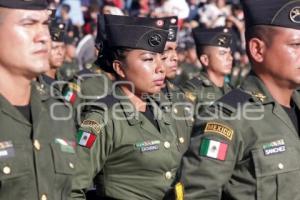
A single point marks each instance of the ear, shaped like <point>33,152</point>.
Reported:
<point>257,49</point>
<point>118,68</point>
<point>204,60</point>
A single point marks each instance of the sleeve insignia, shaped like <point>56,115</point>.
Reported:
<point>219,129</point>
<point>95,126</point>
<point>190,96</point>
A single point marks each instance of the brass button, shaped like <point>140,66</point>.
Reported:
<point>37,145</point>
<point>167,144</point>
<point>6,170</point>
<point>187,108</point>
<point>44,197</point>
<point>181,140</point>
<point>168,175</point>
<point>280,166</point>
<point>71,165</point>
<point>192,119</point>
<point>175,110</point>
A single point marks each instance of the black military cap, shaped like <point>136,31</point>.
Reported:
<point>283,13</point>
<point>134,32</point>
<point>173,27</point>
<point>220,37</point>
<point>24,4</point>
<point>57,31</point>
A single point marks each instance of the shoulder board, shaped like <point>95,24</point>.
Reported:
<point>48,80</point>
<point>196,82</point>
<point>109,100</point>
<point>234,98</point>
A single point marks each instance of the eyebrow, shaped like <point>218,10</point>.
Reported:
<point>151,53</point>
<point>34,19</point>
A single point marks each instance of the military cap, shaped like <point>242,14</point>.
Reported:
<point>57,31</point>
<point>283,13</point>
<point>24,4</point>
<point>173,27</point>
<point>220,37</point>
<point>134,32</point>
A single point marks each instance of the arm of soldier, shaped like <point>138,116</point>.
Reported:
<point>209,162</point>
<point>94,145</point>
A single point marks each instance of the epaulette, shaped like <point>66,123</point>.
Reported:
<point>196,82</point>
<point>108,100</point>
<point>48,80</point>
<point>234,98</point>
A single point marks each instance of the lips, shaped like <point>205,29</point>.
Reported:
<point>159,81</point>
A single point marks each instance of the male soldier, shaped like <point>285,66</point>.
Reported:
<point>58,50</point>
<point>36,152</point>
<point>247,146</point>
<point>180,107</point>
<point>213,50</point>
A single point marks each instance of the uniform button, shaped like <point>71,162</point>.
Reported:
<point>168,175</point>
<point>37,145</point>
<point>280,166</point>
<point>6,170</point>
<point>167,144</point>
<point>71,165</point>
<point>192,119</point>
<point>44,197</point>
<point>175,110</point>
<point>187,109</point>
<point>181,140</point>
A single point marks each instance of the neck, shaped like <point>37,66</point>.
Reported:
<point>135,99</point>
<point>16,89</point>
<point>281,92</point>
<point>51,73</point>
<point>217,79</point>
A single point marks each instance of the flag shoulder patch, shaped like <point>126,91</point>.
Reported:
<point>213,149</point>
<point>85,139</point>
<point>220,129</point>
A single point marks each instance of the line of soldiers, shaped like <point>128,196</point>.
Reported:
<point>123,130</point>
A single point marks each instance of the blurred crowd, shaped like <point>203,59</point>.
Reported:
<point>80,19</point>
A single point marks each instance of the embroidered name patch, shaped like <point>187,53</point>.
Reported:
<point>220,129</point>
<point>147,146</point>
<point>65,145</point>
<point>274,147</point>
<point>6,149</point>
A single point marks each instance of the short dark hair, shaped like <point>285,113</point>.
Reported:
<point>66,7</point>
<point>108,54</point>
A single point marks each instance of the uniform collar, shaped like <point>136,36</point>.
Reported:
<point>254,86</point>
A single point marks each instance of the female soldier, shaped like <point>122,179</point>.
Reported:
<point>127,144</point>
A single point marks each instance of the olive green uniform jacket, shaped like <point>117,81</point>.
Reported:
<point>248,149</point>
<point>37,159</point>
<point>130,158</point>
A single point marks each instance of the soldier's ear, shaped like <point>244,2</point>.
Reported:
<point>204,60</point>
<point>257,49</point>
<point>118,68</point>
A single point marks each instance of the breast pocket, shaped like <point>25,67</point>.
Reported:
<point>277,175</point>
<point>15,173</point>
<point>64,166</point>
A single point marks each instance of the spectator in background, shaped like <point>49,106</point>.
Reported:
<point>75,12</point>
<point>214,13</point>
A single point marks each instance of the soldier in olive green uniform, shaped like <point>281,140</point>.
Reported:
<point>249,148</point>
<point>37,147</point>
<point>130,147</point>
<point>213,50</point>
<point>181,108</point>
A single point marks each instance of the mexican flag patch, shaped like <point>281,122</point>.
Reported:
<point>213,149</point>
<point>70,96</point>
<point>85,139</point>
